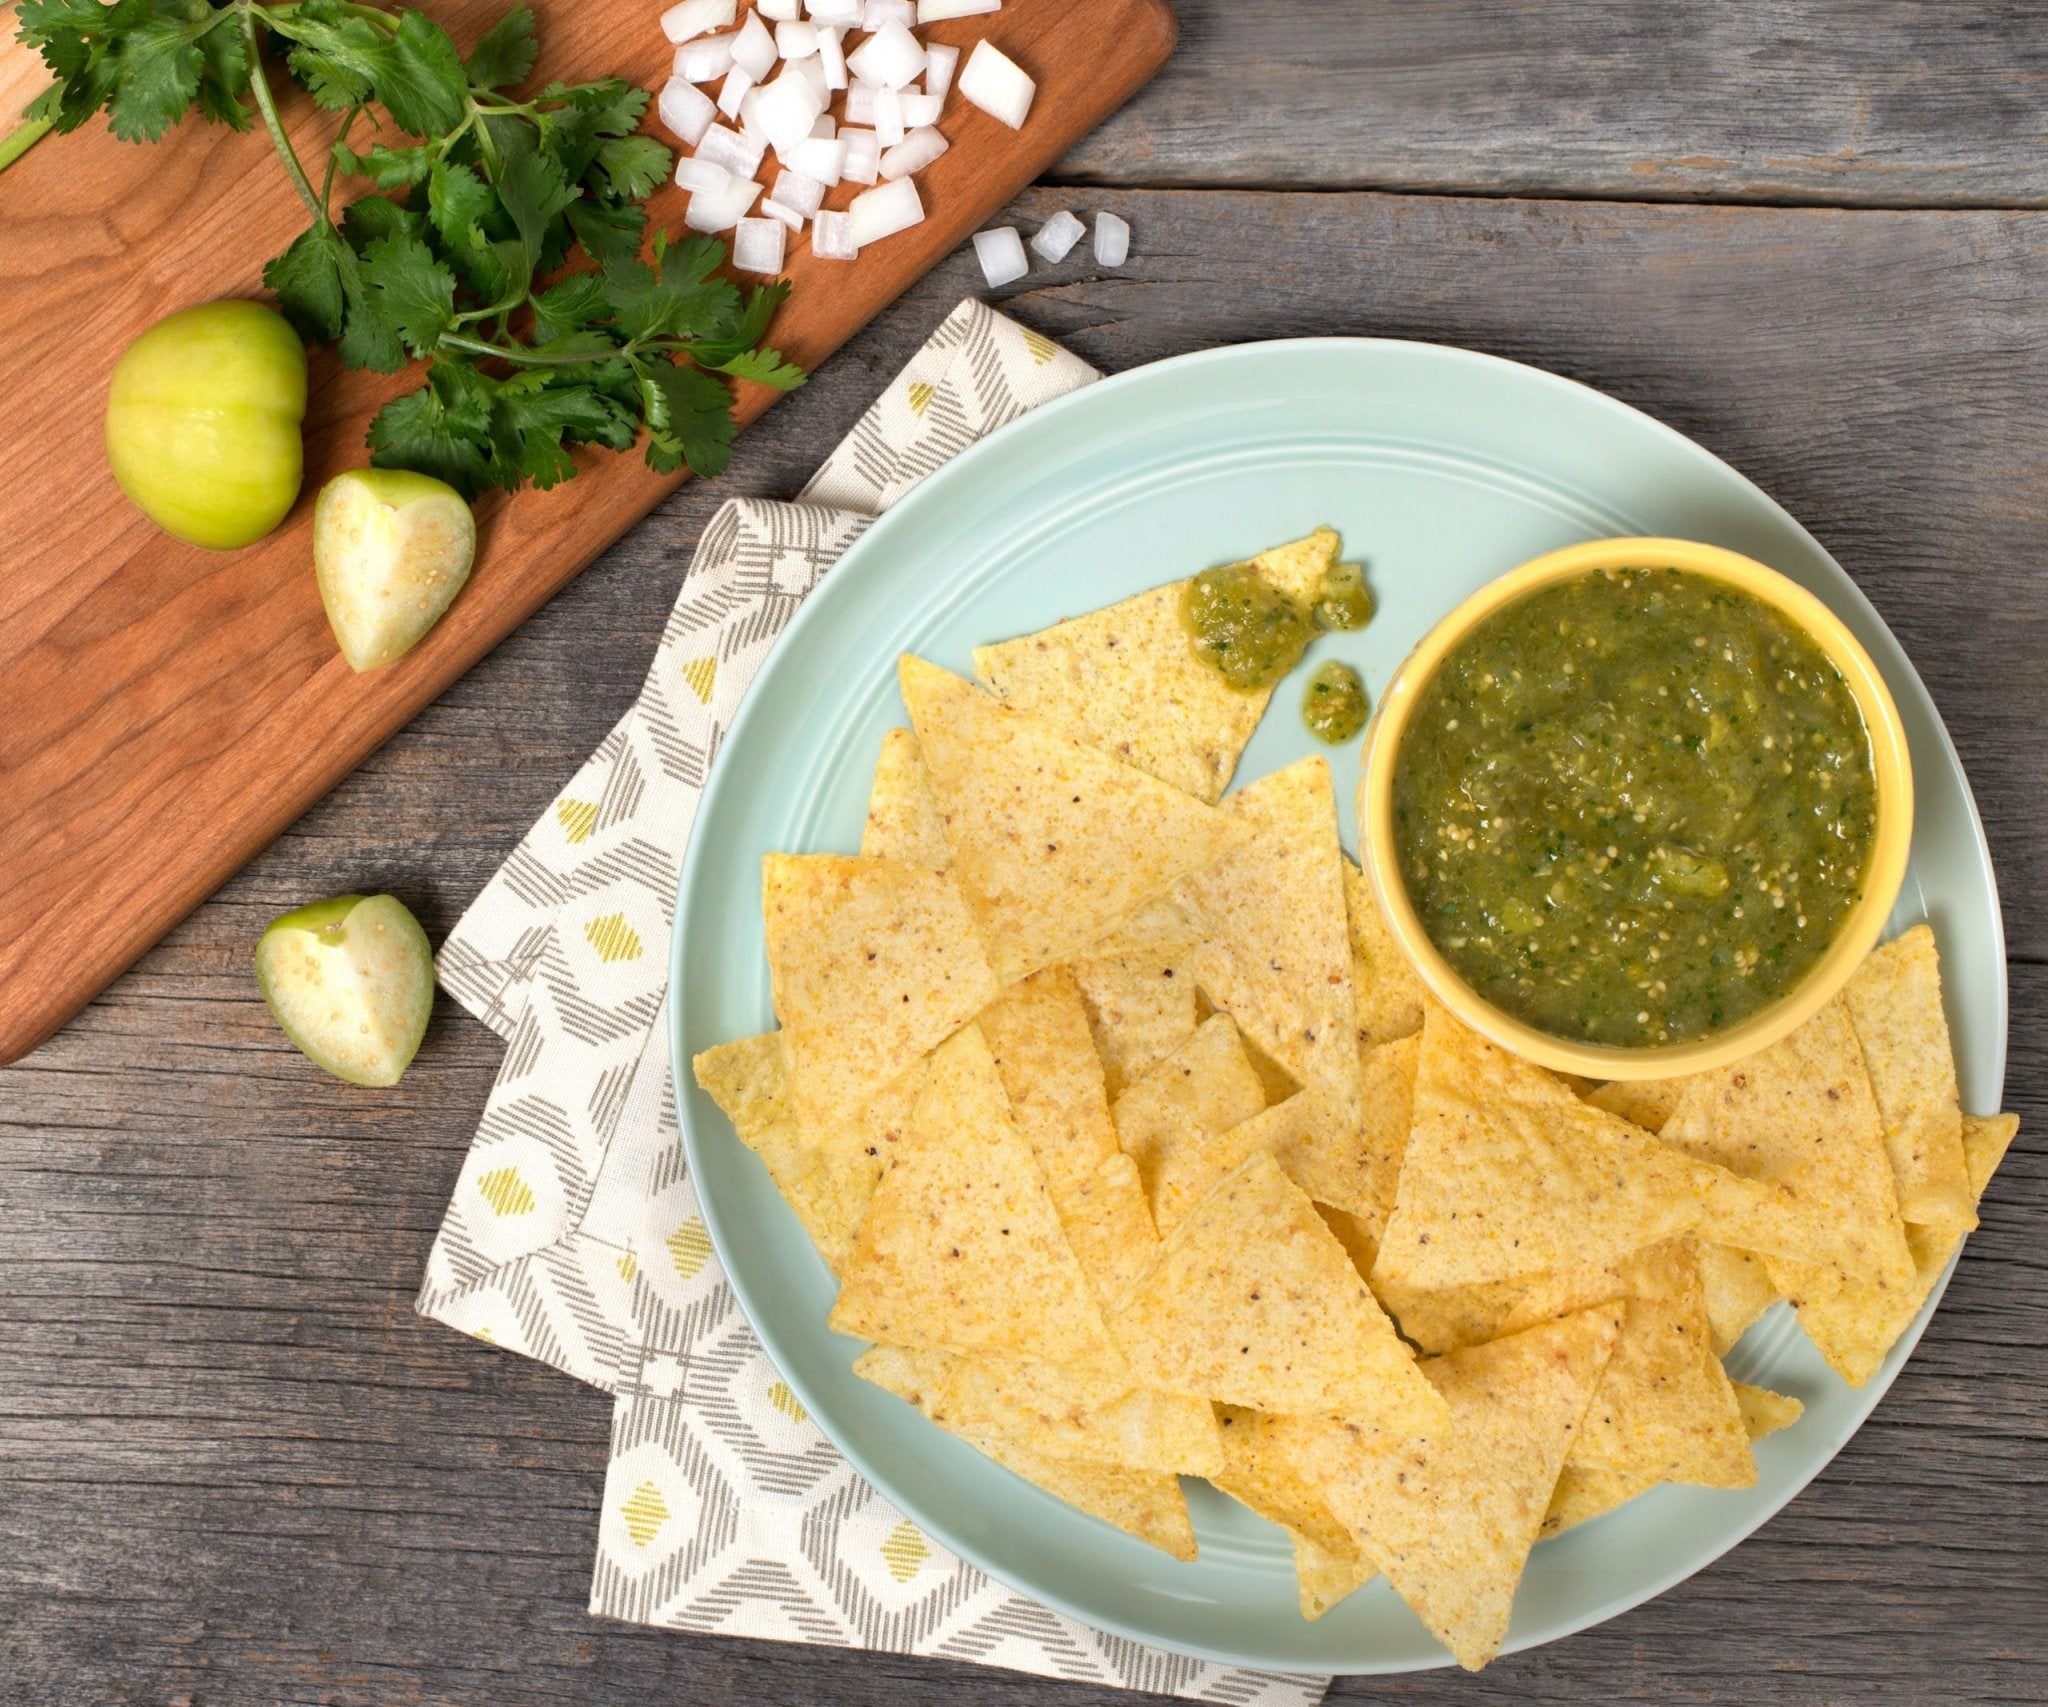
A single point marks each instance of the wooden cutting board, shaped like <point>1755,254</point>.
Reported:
<point>165,711</point>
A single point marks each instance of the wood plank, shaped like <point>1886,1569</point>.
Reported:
<point>238,1468</point>
<point>170,709</point>
<point>1871,102</point>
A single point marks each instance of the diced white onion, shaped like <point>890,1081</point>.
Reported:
<point>738,154</point>
<point>940,62</point>
<point>938,11</point>
<point>888,117</point>
<point>694,172</point>
<point>757,246</point>
<point>863,162</point>
<point>690,18</point>
<point>754,50</point>
<point>884,211</point>
<point>860,104</point>
<point>778,11</point>
<point>891,57</point>
<point>875,13</point>
<point>796,39</point>
<point>913,154</point>
<point>686,111</point>
<point>996,84</point>
<point>832,58</point>
<point>820,157</point>
<point>1056,236</point>
<point>1112,240</point>
<point>788,215</point>
<point>793,189</point>
<point>787,109</point>
<point>920,110</point>
<point>825,129</point>
<point>844,13</point>
<point>750,124</point>
<point>722,209</point>
<point>706,59</point>
<point>812,71</point>
<point>739,82</point>
<point>1001,254</point>
<point>832,237</point>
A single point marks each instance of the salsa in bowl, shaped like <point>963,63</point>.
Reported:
<point>1637,808</point>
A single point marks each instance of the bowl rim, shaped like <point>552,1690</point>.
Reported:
<point>1891,766</point>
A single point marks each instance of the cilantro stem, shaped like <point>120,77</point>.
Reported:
<point>267,105</point>
<point>21,139</point>
<point>348,123</point>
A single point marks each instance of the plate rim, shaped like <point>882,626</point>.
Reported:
<point>874,538</point>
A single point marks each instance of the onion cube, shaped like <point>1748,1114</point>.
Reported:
<point>1001,254</point>
<point>832,237</point>
<point>812,71</point>
<point>757,245</point>
<point>787,109</point>
<point>706,59</point>
<point>883,211</point>
<point>845,14</point>
<point>820,157</point>
<point>920,110</point>
<point>694,172</point>
<point>913,154</point>
<point>788,215</point>
<point>996,84</point>
<point>1112,240</point>
<point>754,50</point>
<point>794,190</point>
<point>686,110</point>
<point>778,11</point>
<point>863,162</point>
<point>860,104</point>
<point>738,84</point>
<point>888,117</point>
<point>940,62</point>
<point>938,11</point>
<point>1056,236</point>
<point>796,39</point>
<point>691,18</point>
<point>876,13</point>
<point>721,209</point>
<point>738,154</point>
<point>832,57</point>
<point>892,57</point>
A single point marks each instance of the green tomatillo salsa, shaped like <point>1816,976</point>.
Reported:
<point>1634,807</point>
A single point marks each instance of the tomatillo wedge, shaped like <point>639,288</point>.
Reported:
<point>391,550</point>
<point>351,980</point>
<point>203,421</point>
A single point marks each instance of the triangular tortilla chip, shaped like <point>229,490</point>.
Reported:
<point>873,963</point>
<point>1738,1289</point>
<point>1323,1578</point>
<point>1109,1225</point>
<point>1327,1563</point>
<point>1298,567</point>
<point>1038,1034</point>
<point>903,818</point>
<point>1053,842</point>
<point>1894,1002</point>
<point>1158,931</point>
<point>1279,956</point>
<point>961,1249</point>
<point>1384,987</point>
<point>1141,1008</point>
<point>1146,1504</point>
<point>1986,1138</point>
<point>1171,1121</point>
<point>1765,1412</point>
<point>1451,1517</point>
<point>1254,1302</point>
<point>1086,1416</point>
<point>1507,1173</point>
<point>825,1177</point>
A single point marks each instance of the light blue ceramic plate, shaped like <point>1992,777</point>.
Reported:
<point>1441,468</point>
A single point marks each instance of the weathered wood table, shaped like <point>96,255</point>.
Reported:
<point>236,1468</point>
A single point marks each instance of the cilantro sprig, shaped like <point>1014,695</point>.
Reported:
<point>502,242</point>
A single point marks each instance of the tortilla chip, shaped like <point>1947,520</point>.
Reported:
<point>873,962</point>
<point>1146,1504</point>
<point>1093,1415</point>
<point>1451,1517</point>
<point>1279,1084</point>
<point>1109,1225</point>
<point>1141,1008</point>
<point>1279,956</point>
<point>961,1249</point>
<point>1894,1002</point>
<point>1053,842</point>
<point>1172,1121</point>
<point>1360,1241</point>
<point>1254,1302</point>
<point>1647,1103</point>
<point>1738,1289</point>
<point>1509,1174</point>
<point>1298,567</point>
<point>903,818</point>
<point>1384,987</point>
<point>1159,930</point>
<point>1038,1033</point>
<point>1986,1138</point>
<point>1126,681</point>
<point>1765,1412</point>
<point>1324,1578</point>
<point>1327,1563</point>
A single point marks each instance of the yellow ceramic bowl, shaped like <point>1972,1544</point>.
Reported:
<point>1894,774</point>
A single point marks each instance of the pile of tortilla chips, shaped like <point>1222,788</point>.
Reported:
<point>1139,1153</point>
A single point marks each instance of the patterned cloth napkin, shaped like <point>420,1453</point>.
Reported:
<point>574,1234</point>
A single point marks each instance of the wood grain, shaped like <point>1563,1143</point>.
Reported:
<point>168,709</point>
<point>235,1468</point>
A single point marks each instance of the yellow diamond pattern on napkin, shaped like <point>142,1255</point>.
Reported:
<point>787,1402</point>
<point>701,674</point>
<point>904,1551</point>
<point>506,1192</point>
<point>613,938</point>
<point>689,1248</point>
<point>645,1511</point>
<point>578,818</point>
<point>1042,348</point>
<point>920,396</point>
<point>629,1265</point>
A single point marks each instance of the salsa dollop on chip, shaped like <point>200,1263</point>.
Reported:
<point>1634,807</point>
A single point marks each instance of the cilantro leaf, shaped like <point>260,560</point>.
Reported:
<point>421,431</point>
<point>570,306</point>
<point>635,166</point>
<point>387,168</point>
<point>506,54</point>
<point>689,419</point>
<point>420,78</point>
<point>307,280</point>
<point>414,291</point>
<point>533,189</point>
<point>610,234</point>
<point>763,367</point>
<point>159,66</point>
<point>530,425</point>
<point>225,79</point>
